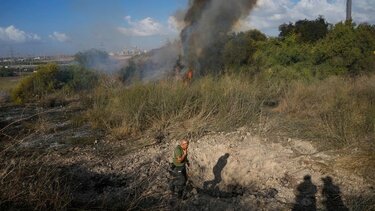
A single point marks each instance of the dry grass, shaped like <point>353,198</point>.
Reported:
<point>28,181</point>
<point>360,163</point>
<point>338,109</point>
<point>175,108</point>
<point>8,83</point>
<point>362,203</point>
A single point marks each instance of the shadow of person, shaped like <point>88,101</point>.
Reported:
<point>218,168</point>
<point>305,195</point>
<point>332,196</point>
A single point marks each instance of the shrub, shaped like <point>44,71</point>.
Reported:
<point>50,78</point>
<point>239,49</point>
<point>78,78</point>
<point>346,49</point>
<point>40,83</point>
<point>306,30</point>
<point>92,58</point>
<point>6,72</point>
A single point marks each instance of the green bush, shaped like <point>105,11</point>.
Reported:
<point>6,72</point>
<point>306,30</point>
<point>40,83</point>
<point>129,73</point>
<point>92,59</point>
<point>239,49</point>
<point>51,78</point>
<point>347,49</point>
<point>76,78</point>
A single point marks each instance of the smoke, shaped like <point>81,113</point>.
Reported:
<point>160,62</point>
<point>97,60</point>
<point>206,23</point>
<point>152,66</point>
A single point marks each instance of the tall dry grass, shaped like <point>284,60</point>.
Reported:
<point>338,109</point>
<point>338,113</point>
<point>176,108</point>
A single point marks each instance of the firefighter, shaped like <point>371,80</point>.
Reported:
<point>180,161</point>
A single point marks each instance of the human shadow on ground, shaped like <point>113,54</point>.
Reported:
<point>211,187</point>
<point>332,196</point>
<point>305,195</point>
<point>218,168</point>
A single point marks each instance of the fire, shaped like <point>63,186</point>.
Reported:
<point>188,76</point>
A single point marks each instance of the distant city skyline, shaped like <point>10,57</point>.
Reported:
<point>56,27</point>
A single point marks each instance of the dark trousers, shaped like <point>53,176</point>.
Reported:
<point>179,180</point>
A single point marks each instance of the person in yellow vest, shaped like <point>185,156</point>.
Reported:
<point>180,161</point>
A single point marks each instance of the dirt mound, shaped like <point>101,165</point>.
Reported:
<point>239,171</point>
<point>266,169</point>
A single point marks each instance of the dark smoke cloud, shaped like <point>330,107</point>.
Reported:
<point>206,21</point>
<point>205,26</point>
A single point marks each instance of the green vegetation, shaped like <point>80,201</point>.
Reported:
<point>305,50</point>
<point>92,59</point>
<point>49,79</point>
<point>306,30</point>
<point>130,73</point>
<point>6,72</point>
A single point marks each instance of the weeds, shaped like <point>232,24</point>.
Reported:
<point>206,104</point>
<point>337,109</point>
<point>27,181</point>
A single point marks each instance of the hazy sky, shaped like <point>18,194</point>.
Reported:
<point>45,27</point>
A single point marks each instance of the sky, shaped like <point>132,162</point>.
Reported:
<point>55,27</point>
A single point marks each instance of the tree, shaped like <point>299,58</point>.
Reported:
<point>240,48</point>
<point>306,30</point>
<point>286,29</point>
<point>92,59</point>
<point>347,49</point>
